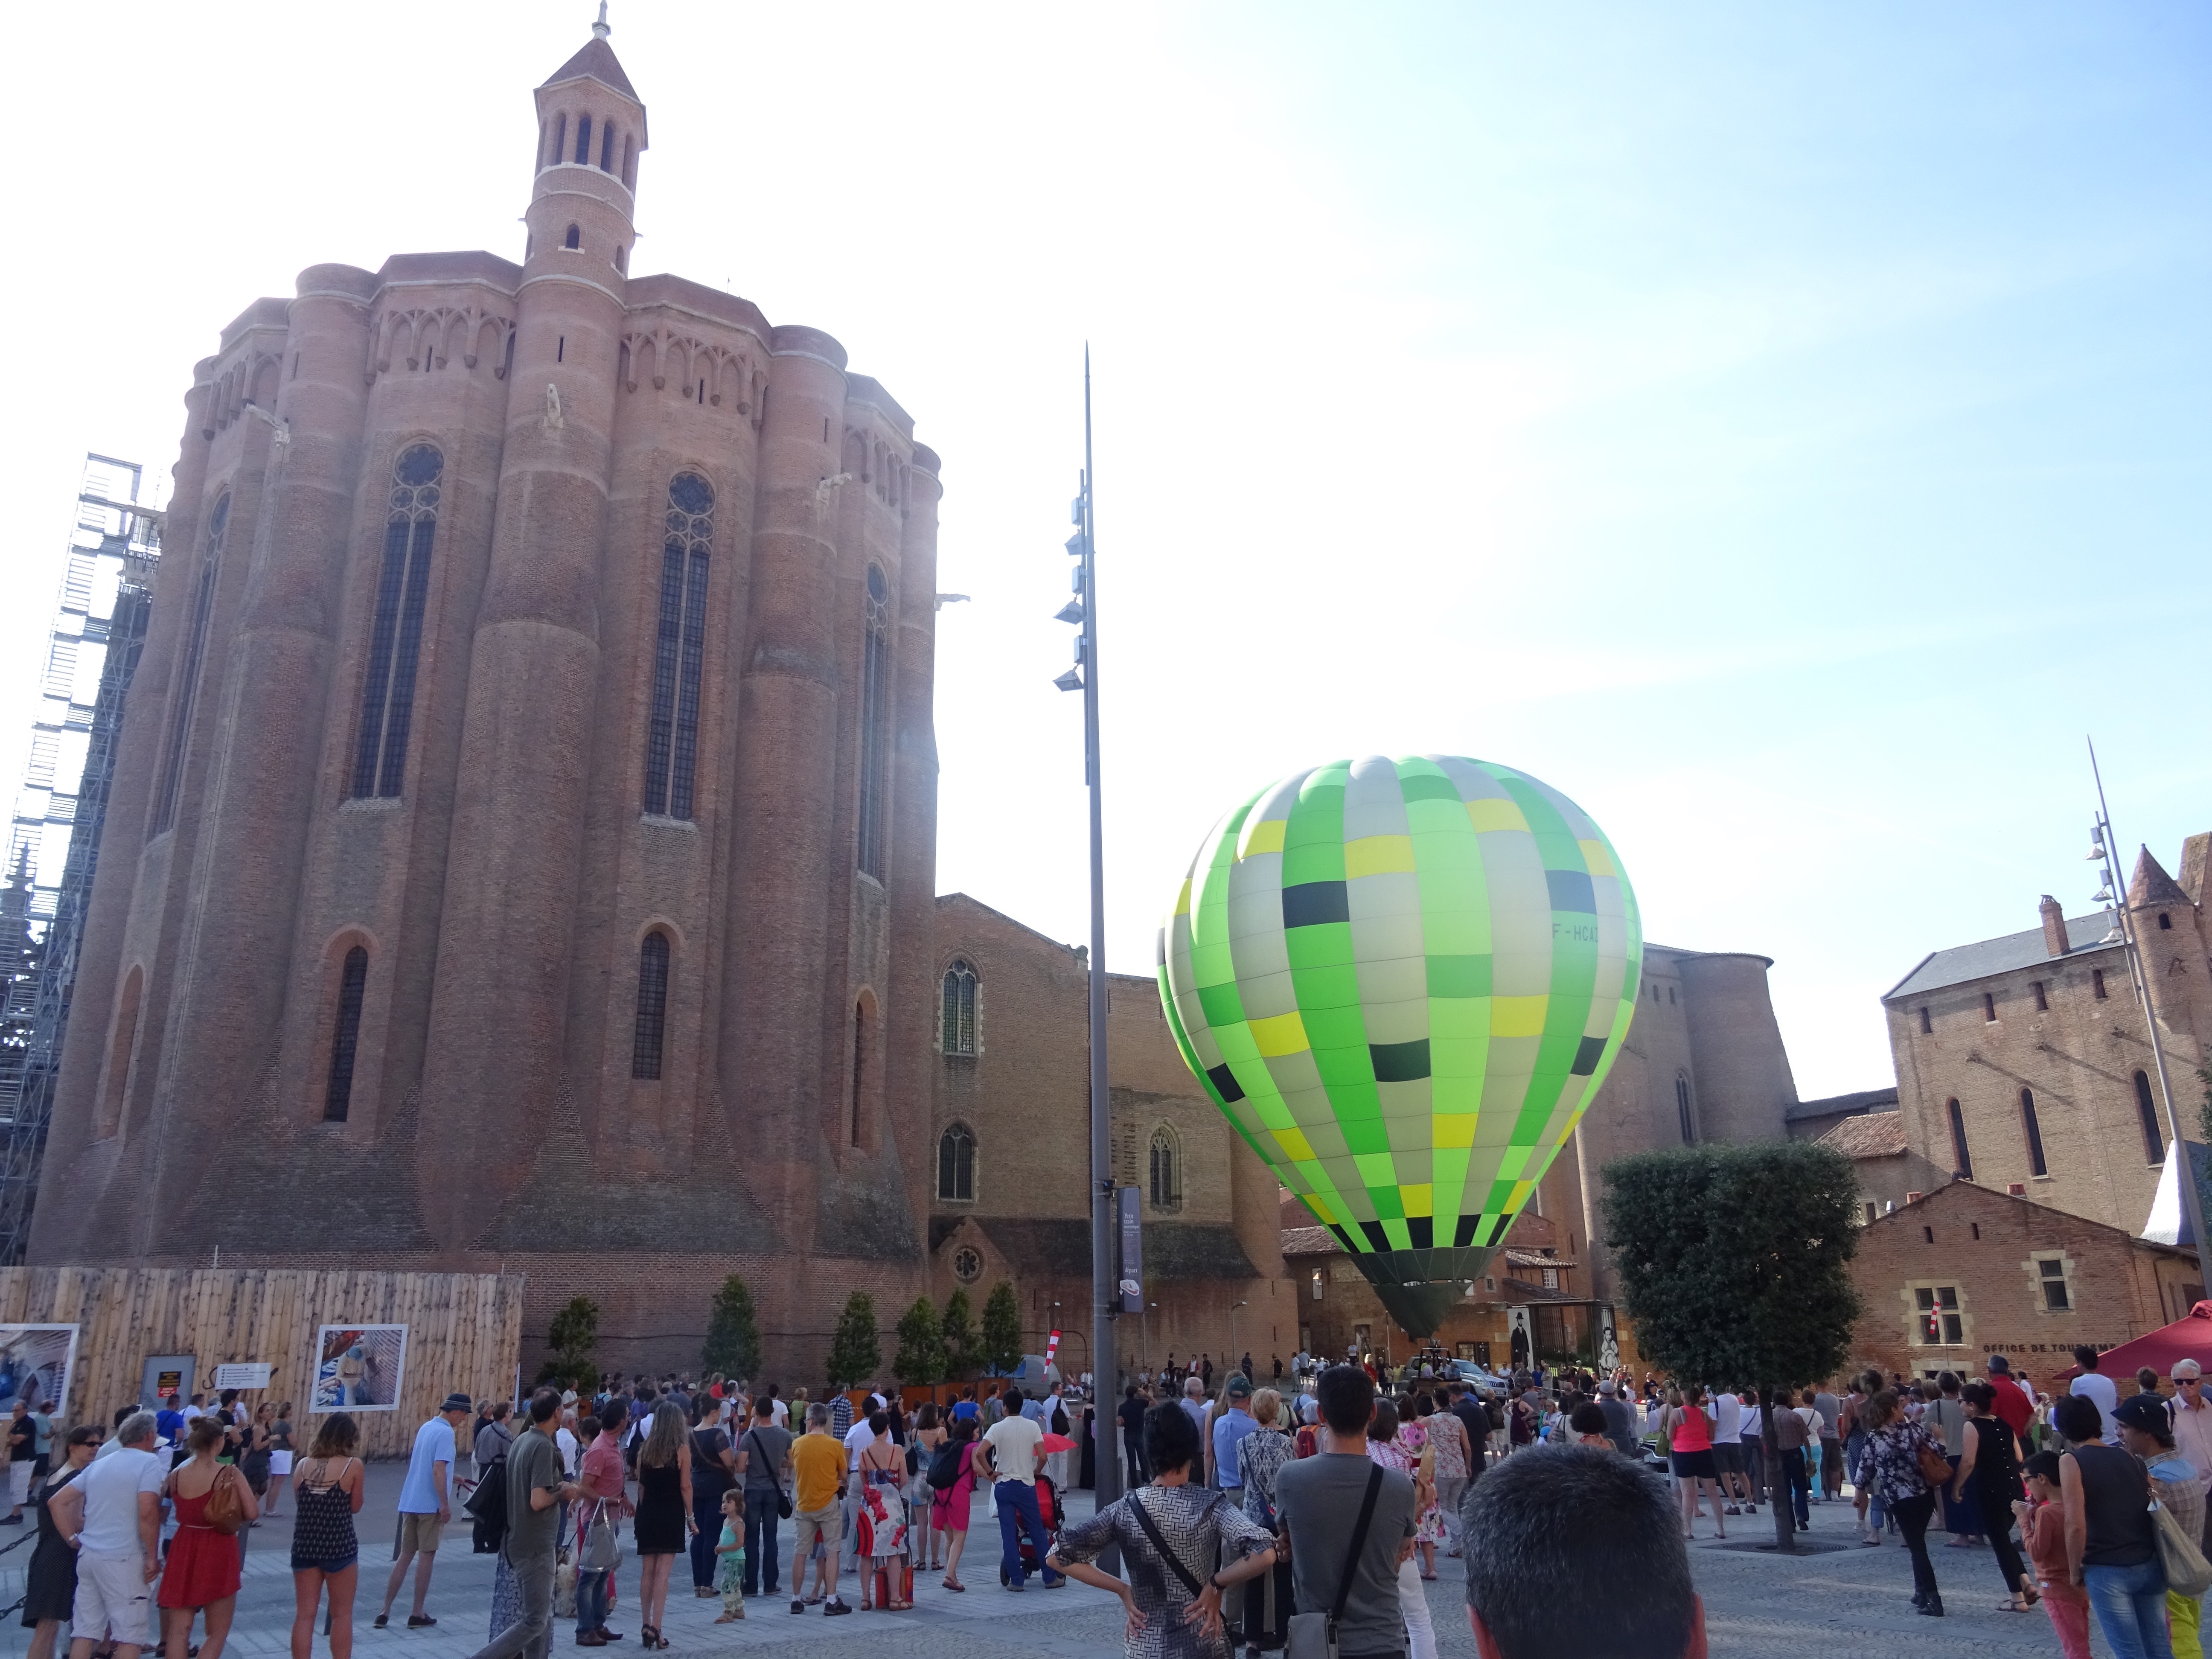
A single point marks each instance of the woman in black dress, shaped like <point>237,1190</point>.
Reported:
<point>50,1590</point>
<point>664,1515</point>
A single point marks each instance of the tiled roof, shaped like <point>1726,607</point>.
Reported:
<point>1964,964</point>
<point>595,58</point>
<point>1310,1241</point>
<point>1864,1100</point>
<point>1873,1135</point>
<point>1537,1259</point>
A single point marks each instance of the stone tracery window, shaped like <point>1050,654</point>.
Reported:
<point>1166,1170</point>
<point>184,698</point>
<point>875,666</point>
<point>956,1165</point>
<point>395,646</point>
<point>671,737</point>
<point>959,1009</point>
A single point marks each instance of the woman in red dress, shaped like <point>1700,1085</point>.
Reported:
<point>203,1570</point>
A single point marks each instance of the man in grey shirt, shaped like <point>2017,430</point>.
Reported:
<point>1620,1421</point>
<point>1832,1447</point>
<point>536,1489</point>
<point>1317,1502</point>
<point>764,1453</point>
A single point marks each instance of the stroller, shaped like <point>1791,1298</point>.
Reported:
<point>1048,1497</point>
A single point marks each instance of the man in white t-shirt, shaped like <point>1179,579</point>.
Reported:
<point>782,1412</point>
<point>112,1514</point>
<point>1726,1412</point>
<point>1009,1455</point>
<point>2093,1384</point>
<point>857,1438</point>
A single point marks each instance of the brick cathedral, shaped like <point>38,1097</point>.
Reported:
<point>522,850</point>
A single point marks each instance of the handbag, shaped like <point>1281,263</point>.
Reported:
<point>782,1495</point>
<point>225,1511</point>
<point>1312,1635</point>
<point>1152,1531</point>
<point>602,1551</point>
<point>1934,1468</point>
<point>2187,1572</point>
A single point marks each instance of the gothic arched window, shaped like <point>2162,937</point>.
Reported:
<point>956,1165</point>
<point>651,1022</point>
<point>395,646</point>
<point>875,666</point>
<point>1688,1120</point>
<point>959,1025</point>
<point>2154,1133</point>
<point>184,694</point>
<point>345,1035</point>
<point>1166,1188</point>
<point>672,735</point>
<point>583,140</point>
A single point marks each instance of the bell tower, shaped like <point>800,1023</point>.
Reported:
<point>591,133</point>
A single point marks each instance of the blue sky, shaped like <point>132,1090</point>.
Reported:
<point>1783,429</point>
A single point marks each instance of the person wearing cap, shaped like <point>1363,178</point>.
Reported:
<point>1229,1428</point>
<point>2192,1418</point>
<point>425,1507</point>
<point>2146,1431</point>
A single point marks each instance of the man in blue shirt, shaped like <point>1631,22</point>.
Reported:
<point>168,1422</point>
<point>425,1508</point>
<point>1228,1430</point>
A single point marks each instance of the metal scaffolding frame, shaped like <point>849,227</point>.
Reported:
<point>92,648</point>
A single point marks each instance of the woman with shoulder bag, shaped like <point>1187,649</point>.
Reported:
<point>213,1503</point>
<point>599,1476</point>
<point>713,1472</point>
<point>1261,1454</point>
<point>2111,1534</point>
<point>1171,1534</point>
<point>1906,1466</point>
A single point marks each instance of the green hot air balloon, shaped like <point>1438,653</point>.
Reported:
<point>1403,982</point>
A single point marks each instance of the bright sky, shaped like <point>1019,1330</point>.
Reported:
<point>1785,434</point>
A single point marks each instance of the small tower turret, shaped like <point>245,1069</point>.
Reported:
<point>591,131</point>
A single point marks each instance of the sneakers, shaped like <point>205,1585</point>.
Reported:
<point>1751,1509</point>
<point>798,1606</point>
<point>838,1607</point>
<point>1731,1509</point>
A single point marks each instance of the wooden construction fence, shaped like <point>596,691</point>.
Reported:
<point>464,1331</point>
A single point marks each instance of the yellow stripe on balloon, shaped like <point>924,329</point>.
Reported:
<point>1598,857</point>
<point>1293,1141</point>
<point>1416,1199</point>
<point>1488,814</point>
<point>1182,899</point>
<point>1285,1034</point>
<point>1378,855</point>
<point>1264,836</point>
<point>1455,1129</point>
<point>1518,1016</point>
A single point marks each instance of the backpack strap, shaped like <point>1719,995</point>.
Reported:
<point>1358,1543</point>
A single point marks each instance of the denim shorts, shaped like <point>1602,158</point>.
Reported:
<point>328,1569</point>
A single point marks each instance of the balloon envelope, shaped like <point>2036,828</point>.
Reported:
<point>1403,982</point>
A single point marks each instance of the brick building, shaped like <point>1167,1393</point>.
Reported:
<point>2023,1062</point>
<point>522,848</point>
<point>1963,1272</point>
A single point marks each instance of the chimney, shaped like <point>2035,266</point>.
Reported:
<point>2054,927</point>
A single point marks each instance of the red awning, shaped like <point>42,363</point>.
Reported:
<point>2190,1337</point>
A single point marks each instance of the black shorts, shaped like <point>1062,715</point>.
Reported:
<point>1691,1464</point>
<point>1728,1457</point>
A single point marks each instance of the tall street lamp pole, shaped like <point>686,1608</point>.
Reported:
<point>2103,851</point>
<point>1104,1285</point>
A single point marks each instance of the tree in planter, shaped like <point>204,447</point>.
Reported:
<point>1002,1329</point>
<point>733,1343</point>
<point>920,1359</point>
<point>854,1357</point>
<point>957,1331</point>
<point>1734,1265</point>
<point>574,1333</point>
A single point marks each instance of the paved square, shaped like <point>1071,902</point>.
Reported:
<point>1852,1602</point>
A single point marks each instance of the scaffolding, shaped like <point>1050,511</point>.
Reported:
<point>99,631</point>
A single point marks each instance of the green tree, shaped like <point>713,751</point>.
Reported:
<point>958,1332</point>
<point>1734,1264</point>
<point>1002,1329</point>
<point>854,1355</point>
<point>921,1345</point>
<point>574,1333</point>
<point>733,1343</point>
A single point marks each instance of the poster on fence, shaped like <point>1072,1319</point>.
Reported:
<point>358,1368</point>
<point>34,1365</point>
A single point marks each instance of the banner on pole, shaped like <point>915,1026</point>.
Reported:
<point>1129,1231</point>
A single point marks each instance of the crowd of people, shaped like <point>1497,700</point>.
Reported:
<point>1331,1493</point>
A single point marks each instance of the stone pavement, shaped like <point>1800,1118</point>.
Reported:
<point>1843,1604</point>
